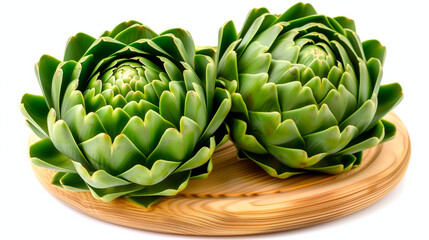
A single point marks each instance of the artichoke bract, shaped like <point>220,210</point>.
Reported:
<point>306,93</point>
<point>132,114</point>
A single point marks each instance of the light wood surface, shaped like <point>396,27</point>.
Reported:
<point>238,198</point>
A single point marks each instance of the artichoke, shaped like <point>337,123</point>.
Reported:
<point>132,113</point>
<point>306,93</point>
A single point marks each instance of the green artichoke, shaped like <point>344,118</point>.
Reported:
<point>305,90</point>
<point>132,113</point>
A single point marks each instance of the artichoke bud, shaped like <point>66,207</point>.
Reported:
<point>132,114</point>
<point>306,91</point>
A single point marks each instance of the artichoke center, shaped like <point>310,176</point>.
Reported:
<point>126,77</point>
<point>310,52</point>
<point>126,74</point>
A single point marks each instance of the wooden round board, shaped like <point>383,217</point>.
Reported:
<point>238,198</point>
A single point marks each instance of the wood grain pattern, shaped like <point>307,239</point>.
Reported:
<point>238,198</point>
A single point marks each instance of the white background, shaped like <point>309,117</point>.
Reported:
<point>29,29</point>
